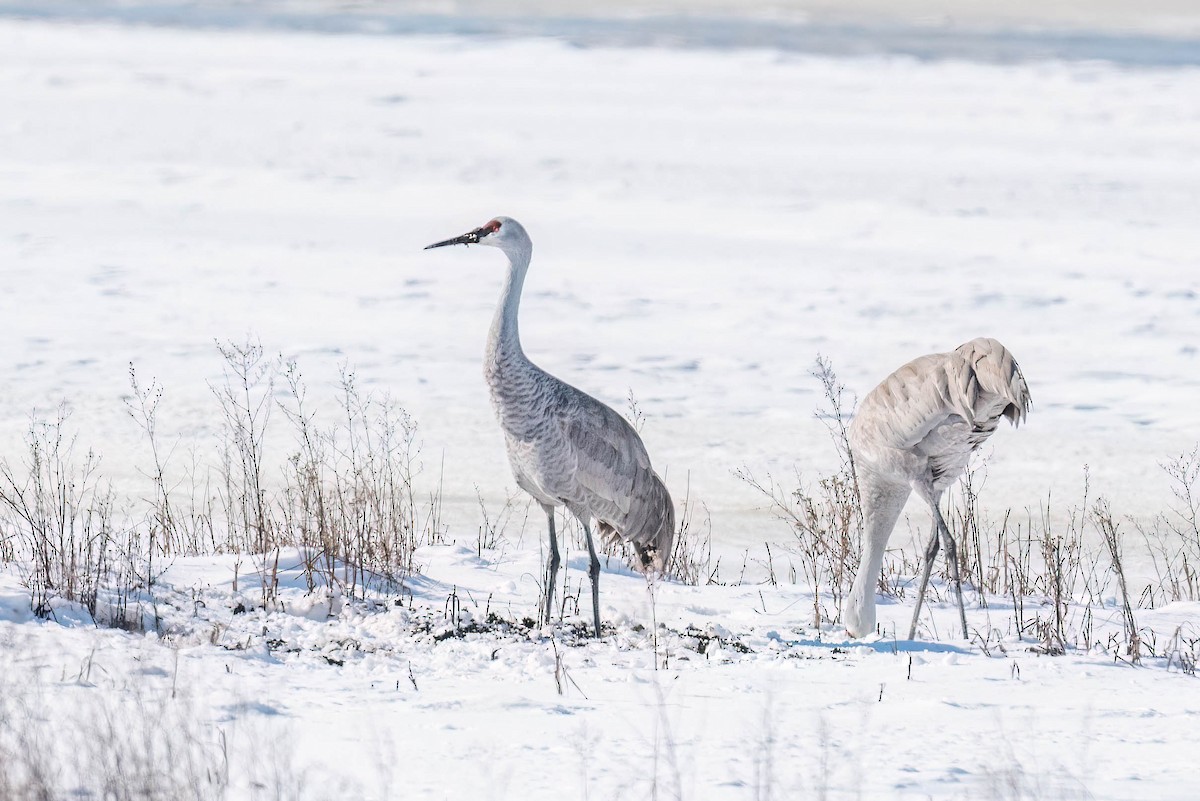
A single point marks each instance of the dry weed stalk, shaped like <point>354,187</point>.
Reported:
<point>245,398</point>
<point>1172,538</point>
<point>59,513</point>
<point>691,554</point>
<point>349,499</point>
<point>826,520</point>
<point>1109,530</point>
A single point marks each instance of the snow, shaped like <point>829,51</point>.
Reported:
<point>770,708</point>
<point>705,222</point>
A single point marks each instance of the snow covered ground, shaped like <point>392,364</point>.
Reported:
<point>706,222</point>
<point>748,702</point>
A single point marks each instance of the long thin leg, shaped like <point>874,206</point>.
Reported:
<point>552,568</point>
<point>931,552</point>
<point>952,558</point>
<point>594,572</point>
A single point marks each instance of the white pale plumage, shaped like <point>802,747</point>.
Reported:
<point>917,431</point>
<point>565,447</point>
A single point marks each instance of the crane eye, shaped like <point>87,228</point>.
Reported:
<point>491,227</point>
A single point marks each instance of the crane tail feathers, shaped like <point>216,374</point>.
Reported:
<point>649,526</point>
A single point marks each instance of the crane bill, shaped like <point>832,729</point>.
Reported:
<point>470,238</point>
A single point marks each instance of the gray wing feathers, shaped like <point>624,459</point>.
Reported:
<point>976,383</point>
<point>911,402</point>
<point>614,482</point>
<point>566,447</point>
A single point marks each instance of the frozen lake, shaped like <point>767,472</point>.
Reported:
<point>705,223</point>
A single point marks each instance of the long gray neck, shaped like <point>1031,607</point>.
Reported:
<point>504,340</point>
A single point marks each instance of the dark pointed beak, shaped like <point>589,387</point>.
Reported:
<point>471,238</point>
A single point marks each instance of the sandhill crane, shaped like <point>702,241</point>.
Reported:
<point>916,431</point>
<point>565,447</point>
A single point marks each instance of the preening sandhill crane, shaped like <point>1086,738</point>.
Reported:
<point>565,447</point>
<point>917,431</point>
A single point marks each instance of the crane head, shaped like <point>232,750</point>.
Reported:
<point>497,232</point>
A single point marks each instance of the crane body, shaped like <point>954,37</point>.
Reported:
<point>565,447</point>
<point>916,431</point>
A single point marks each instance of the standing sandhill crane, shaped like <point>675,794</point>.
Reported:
<point>916,431</point>
<point>565,447</point>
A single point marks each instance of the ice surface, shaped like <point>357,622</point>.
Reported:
<point>1149,32</point>
<point>705,224</point>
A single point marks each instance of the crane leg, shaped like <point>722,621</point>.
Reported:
<point>931,552</point>
<point>952,558</point>
<point>552,567</point>
<point>594,573</point>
